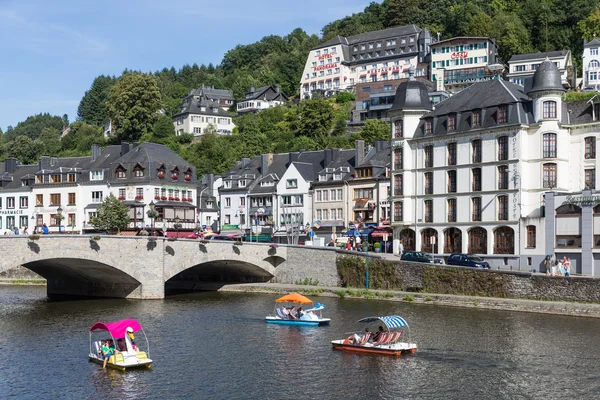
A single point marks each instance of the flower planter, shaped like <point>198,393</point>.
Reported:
<point>161,175</point>
<point>188,178</point>
<point>174,177</point>
<point>163,197</point>
<point>139,197</point>
<point>121,197</point>
<point>171,198</point>
<point>156,197</point>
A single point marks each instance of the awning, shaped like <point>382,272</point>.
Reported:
<point>117,329</point>
<point>354,232</point>
<point>381,232</point>
<point>134,203</point>
<point>391,321</point>
<point>306,84</point>
<point>362,75</point>
<point>328,80</point>
<point>374,73</point>
<point>180,204</point>
<point>321,81</point>
<point>384,73</point>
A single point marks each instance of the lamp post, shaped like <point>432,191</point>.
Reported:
<point>59,210</point>
<point>366,258</point>
<point>151,212</point>
<point>177,226</point>
<point>200,204</point>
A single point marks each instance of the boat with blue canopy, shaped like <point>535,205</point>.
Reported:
<point>388,335</point>
<point>286,313</point>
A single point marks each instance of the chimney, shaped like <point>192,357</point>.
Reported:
<point>252,89</point>
<point>245,162</point>
<point>10,165</point>
<point>44,163</point>
<point>124,148</point>
<point>335,154</point>
<point>381,145</point>
<point>277,89</point>
<point>96,150</point>
<point>265,162</point>
<point>292,157</point>
<point>328,157</point>
<point>210,182</point>
<point>359,149</point>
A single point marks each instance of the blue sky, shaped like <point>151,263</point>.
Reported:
<point>53,49</point>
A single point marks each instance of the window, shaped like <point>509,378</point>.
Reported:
<point>503,148</point>
<point>476,209</point>
<point>476,179</point>
<point>549,145</point>
<point>590,147</point>
<point>138,173</point>
<point>23,202</point>
<point>428,182</point>
<point>398,211</point>
<point>451,153</point>
<point>452,181</point>
<point>22,221</point>
<point>333,195</point>
<point>398,159</point>
<point>451,210</point>
<point>502,114</point>
<point>10,222</point>
<point>96,175</point>
<point>549,109</point>
<point>593,76</point>
<point>428,156</point>
<point>476,147</point>
<point>318,195</point>
<point>428,210</point>
<point>71,199</point>
<point>502,177</point>
<point>590,178</point>
<point>428,127</point>
<point>139,194</point>
<point>476,119</point>
<point>325,195</point>
<point>71,178</point>
<point>96,197</point>
<point>121,174</point>
<point>398,185</point>
<point>451,125</point>
<point>549,176</point>
<point>292,183</point>
<point>228,202</point>
<point>55,220</point>
<point>365,193</point>
<point>55,199</point>
<point>593,51</point>
<point>398,128</point>
<point>54,178</point>
<point>531,236</point>
<point>502,208</point>
<point>39,179</point>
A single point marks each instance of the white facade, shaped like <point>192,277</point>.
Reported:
<point>460,61</point>
<point>591,65</point>
<point>197,124</point>
<point>524,66</point>
<point>256,105</point>
<point>295,202</point>
<point>16,210</point>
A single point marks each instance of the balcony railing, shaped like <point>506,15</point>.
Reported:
<point>429,217</point>
<point>477,186</point>
<point>503,184</point>
<point>452,248</point>
<point>398,191</point>
<point>452,188</point>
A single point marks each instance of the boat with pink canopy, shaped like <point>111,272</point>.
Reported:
<point>128,354</point>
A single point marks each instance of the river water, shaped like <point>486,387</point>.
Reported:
<point>217,346</point>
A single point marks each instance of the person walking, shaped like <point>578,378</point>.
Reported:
<point>401,250</point>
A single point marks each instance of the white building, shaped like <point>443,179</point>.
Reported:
<point>341,62</point>
<point>523,66</point>
<point>473,174</point>
<point>458,62</point>
<point>203,110</point>
<point>261,99</point>
<point>591,65</point>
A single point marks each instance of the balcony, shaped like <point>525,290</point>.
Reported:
<point>429,217</point>
<point>452,188</point>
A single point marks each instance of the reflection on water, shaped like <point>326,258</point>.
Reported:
<point>217,345</point>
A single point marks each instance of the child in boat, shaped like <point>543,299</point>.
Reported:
<point>108,349</point>
<point>377,334</point>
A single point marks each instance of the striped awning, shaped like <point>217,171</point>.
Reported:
<point>391,321</point>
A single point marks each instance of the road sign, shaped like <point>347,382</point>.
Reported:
<point>385,237</point>
<point>432,240</point>
<point>311,234</point>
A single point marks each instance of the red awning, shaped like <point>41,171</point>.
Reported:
<point>321,81</point>
<point>362,75</point>
<point>405,68</point>
<point>373,73</point>
<point>306,84</point>
<point>379,232</point>
<point>328,80</point>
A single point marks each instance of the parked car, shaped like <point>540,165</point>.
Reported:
<point>418,256</point>
<point>467,260</point>
<point>221,237</point>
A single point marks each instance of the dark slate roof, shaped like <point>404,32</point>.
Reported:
<point>248,168</point>
<point>580,112</point>
<point>593,43</point>
<point>305,170</point>
<point>461,38</point>
<point>146,153</point>
<point>538,56</point>
<point>268,93</point>
<point>212,93</point>
<point>373,35</point>
<point>344,159</point>
<point>13,181</point>
<point>376,158</point>
<point>192,105</point>
<point>547,77</point>
<point>412,95</point>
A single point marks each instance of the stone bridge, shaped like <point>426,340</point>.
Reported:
<point>140,268</point>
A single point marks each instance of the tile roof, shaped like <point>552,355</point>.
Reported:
<point>373,35</point>
<point>268,93</point>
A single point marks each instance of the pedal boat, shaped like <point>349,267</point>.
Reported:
<point>310,317</point>
<point>123,360</point>
<point>390,342</point>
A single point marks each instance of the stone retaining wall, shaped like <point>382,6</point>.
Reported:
<point>19,273</point>
<point>402,275</point>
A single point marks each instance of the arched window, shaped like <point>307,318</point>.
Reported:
<point>429,240</point>
<point>549,145</point>
<point>478,241</point>
<point>503,208</point>
<point>504,240</point>
<point>398,158</point>
<point>549,175</point>
<point>452,240</point>
<point>549,109</point>
<point>590,147</point>
<point>451,210</point>
<point>407,238</point>
<point>398,133</point>
<point>594,64</point>
<point>503,148</point>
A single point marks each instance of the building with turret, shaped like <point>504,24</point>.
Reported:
<point>497,170</point>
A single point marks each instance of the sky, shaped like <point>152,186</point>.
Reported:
<point>51,50</point>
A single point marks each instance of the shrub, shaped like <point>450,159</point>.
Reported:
<point>428,298</point>
<point>95,238</point>
<point>341,293</point>
<point>239,243</point>
<point>34,237</point>
<point>408,297</point>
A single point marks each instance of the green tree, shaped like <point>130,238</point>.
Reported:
<point>92,107</point>
<point>480,25</point>
<point>133,105</point>
<point>590,26</point>
<point>33,126</point>
<point>375,129</point>
<point>113,215</point>
<point>513,36</point>
<point>79,139</point>
<point>163,128</point>
<point>48,143</point>
<point>24,149</point>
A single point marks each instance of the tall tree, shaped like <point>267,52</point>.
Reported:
<point>375,129</point>
<point>92,107</point>
<point>133,105</point>
<point>24,149</point>
<point>590,26</point>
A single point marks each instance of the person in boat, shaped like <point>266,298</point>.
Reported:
<point>293,313</point>
<point>299,313</point>
<point>377,334</point>
<point>121,344</point>
<point>108,349</point>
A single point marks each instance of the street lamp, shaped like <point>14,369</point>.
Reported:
<point>59,210</point>
<point>152,212</point>
<point>366,257</point>
<point>177,225</point>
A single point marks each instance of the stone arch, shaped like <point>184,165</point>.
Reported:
<point>407,238</point>
<point>568,209</point>
<point>452,240</point>
<point>504,240</point>
<point>477,240</point>
<point>426,238</point>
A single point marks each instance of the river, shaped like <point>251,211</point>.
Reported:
<point>217,346</point>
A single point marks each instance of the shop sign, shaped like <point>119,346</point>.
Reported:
<point>585,200</point>
<point>12,212</point>
<point>324,56</point>
<point>459,54</point>
<point>327,66</point>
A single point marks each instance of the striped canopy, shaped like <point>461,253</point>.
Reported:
<point>391,321</point>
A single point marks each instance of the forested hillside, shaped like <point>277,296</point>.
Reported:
<point>518,26</point>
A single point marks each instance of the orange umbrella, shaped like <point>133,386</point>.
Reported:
<point>294,298</point>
